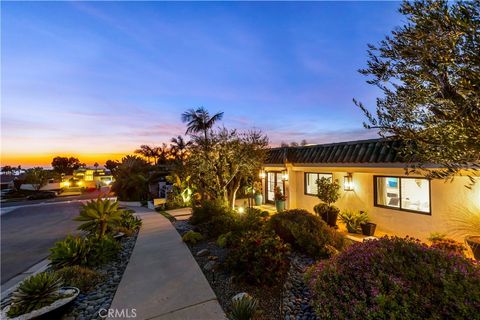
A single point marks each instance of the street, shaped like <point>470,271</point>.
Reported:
<point>28,232</point>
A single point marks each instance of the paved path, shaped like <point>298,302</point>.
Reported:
<point>181,214</point>
<point>27,234</point>
<point>162,279</point>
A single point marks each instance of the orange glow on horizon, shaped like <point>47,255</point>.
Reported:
<point>45,160</point>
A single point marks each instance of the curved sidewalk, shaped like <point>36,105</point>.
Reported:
<point>162,279</point>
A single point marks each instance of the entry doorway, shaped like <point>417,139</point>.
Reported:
<point>274,179</point>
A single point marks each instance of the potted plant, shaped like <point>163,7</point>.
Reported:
<point>466,222</point>
<point>39,295</point>
<point>353,220</point>
<point>258,193</point>
<point>280,199</point>
<point>368,228</point>
<point>328,192</point>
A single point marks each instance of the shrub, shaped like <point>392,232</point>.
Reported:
<point>192,237</point>
<point>306,232</point>
<point>69,252</point>
<point>324,210</point>
<point>207,210</point>
<point>243,308</point>
<point>258,257</point>
<point>129,223</point>
<point>102,251</point>
<point>353,219</point>
<point>80,277</point>
<point>79,251</point>
<point>251,220</point>
<point>35,292</point>
<point>394,278</point>
<point>449,246</point>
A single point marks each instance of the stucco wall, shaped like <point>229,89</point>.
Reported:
<point>447,200</point>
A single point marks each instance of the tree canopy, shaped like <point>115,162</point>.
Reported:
<point>37,177</point>
<point>64,165</point>
<point>429,73</point>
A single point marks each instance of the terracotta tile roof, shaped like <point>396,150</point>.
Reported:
<point>364,151</point>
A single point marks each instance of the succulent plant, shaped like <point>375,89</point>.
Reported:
<point>243,308</point>
<point>69,252</point>
<point>99,215</point>
<point>35,292</point>
<point>192,237</point>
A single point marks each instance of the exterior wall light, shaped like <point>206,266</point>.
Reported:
<point>284,176</point>
<point>262,174</point>
<point>348,182</point>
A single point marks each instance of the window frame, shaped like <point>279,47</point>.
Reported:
<point>305,181</point>
<point>375,196</point>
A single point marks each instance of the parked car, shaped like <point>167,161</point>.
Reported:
<point>6,191</point>
<point>42,195</point>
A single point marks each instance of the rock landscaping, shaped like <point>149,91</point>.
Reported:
<point>88,304</point>
<point>296,294</point>
<point>289,299</point>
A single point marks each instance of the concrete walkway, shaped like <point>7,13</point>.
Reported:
<point>162,279</point>
<point>181,214</point>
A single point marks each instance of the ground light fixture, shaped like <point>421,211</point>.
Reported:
<point>241,210</point>
<point>348,182</point>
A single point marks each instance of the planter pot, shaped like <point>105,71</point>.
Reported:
<point>280,205</point>
<point>350,229</point>
<point>258,199</point>
<point>474,244</point>
<point>52,311</point>
<point>368,229</point>
<point>330,217</point>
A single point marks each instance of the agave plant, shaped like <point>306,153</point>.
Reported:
<point>243,308</point>
<point>35,292</point>
<point>69,252</point>
<point>99,215</point>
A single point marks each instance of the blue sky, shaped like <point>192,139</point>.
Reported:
<point>101,78</point>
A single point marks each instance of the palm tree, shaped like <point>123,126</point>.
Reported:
<point>146,151</point>
<point>98,216</point>
<point>178,147</point>
<point>200,121</point>
<point>160,154</point>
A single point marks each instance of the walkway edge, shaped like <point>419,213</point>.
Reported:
<point>162,279</point>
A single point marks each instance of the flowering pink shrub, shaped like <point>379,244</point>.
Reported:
<point>394,278</point>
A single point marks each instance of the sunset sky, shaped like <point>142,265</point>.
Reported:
<point>96,80</point>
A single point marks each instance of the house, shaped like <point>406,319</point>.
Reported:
<point>87,178</point>
<point>7,181</point>
<point>372,178</point>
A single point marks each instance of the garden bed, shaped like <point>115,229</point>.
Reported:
<point>287,299</point>
<point>88,304</point>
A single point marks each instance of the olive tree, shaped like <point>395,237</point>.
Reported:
<point>429,73</point>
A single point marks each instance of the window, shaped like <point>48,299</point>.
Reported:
<point>311,182</point>
<point>409,194</point>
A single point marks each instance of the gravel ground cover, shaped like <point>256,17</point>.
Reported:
<point>289,299</point>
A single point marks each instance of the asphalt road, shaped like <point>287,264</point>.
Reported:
<point>27,234</point>
<point>89,195</point>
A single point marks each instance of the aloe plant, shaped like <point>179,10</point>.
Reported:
<point>99,215</point>
<point>35,292</point>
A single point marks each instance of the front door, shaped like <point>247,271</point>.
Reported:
<point>274,179</point>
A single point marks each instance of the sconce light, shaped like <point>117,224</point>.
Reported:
<point>262,174</point>
<point>348,182</point>
<point>284,176</point>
